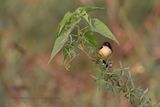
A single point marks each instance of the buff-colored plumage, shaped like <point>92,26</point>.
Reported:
<point>105,52</point>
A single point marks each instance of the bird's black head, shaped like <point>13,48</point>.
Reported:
<point>107,44</point>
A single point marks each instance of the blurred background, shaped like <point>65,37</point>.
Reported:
<point>27,34</point>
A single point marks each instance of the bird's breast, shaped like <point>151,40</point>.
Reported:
<point>105,52</point>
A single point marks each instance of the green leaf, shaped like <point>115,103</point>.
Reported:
<point>58,45</point>
<point>99,27</point>
<point>91,38</point>
<point>63,22</point>
<point>64,31</point>
<point>83,11</point>
<point>95,24</point>
<point>89,8</point>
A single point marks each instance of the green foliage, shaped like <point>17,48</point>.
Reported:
<point>120,80</point>
<point>84,40</point>
<point>59,43</point>
<point>99,27</point>
<point>88,9</point>
<point>65,28</point>
<point>91,38</point>
<point>71,20</point>
<point>63,22</point>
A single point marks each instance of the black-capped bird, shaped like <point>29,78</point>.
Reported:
<point>105,52</point>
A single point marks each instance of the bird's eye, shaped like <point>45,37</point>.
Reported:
<point>107,44</point>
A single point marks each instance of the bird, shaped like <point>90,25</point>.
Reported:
<point>105,52</point>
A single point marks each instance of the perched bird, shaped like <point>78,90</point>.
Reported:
<point>104,52</point>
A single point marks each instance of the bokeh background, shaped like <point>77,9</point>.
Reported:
<point>27,34</point>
